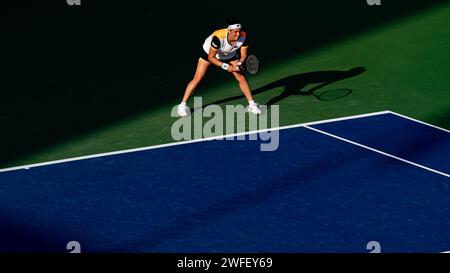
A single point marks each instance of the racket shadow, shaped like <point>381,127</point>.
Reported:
<point>295,84</point>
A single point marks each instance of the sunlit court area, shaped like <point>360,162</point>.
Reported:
<point>349,154</point>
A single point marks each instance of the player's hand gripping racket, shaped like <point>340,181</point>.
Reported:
<point>251,65</point>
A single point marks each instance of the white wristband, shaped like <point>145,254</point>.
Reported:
<point>225,66</point>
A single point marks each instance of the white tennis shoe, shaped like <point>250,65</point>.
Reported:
<point>254,109</point>
<point>183,110</point>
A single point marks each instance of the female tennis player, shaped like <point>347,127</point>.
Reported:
<point>227,49</point>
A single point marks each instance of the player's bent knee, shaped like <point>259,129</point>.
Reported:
<point>196,80</point>
<point>239,77</point>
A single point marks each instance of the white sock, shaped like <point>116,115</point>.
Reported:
<point>182,104</point>
<point>252,102</point>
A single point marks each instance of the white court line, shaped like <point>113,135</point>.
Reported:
<point>188,142</point>
<point>418,121</point>
<point>378,151</point>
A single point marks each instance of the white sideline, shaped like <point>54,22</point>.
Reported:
<point>378,151</point>
<point>419,121</point>
<point>186,142</point>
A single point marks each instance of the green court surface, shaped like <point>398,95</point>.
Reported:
<point>401,62</point>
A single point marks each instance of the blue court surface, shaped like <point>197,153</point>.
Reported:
<point>331,186</point>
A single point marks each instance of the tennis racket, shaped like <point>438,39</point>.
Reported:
<point>251,65</point>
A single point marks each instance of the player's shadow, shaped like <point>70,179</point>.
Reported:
<point>295,85</point>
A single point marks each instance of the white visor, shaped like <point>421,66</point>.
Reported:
<point>234,26</point>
